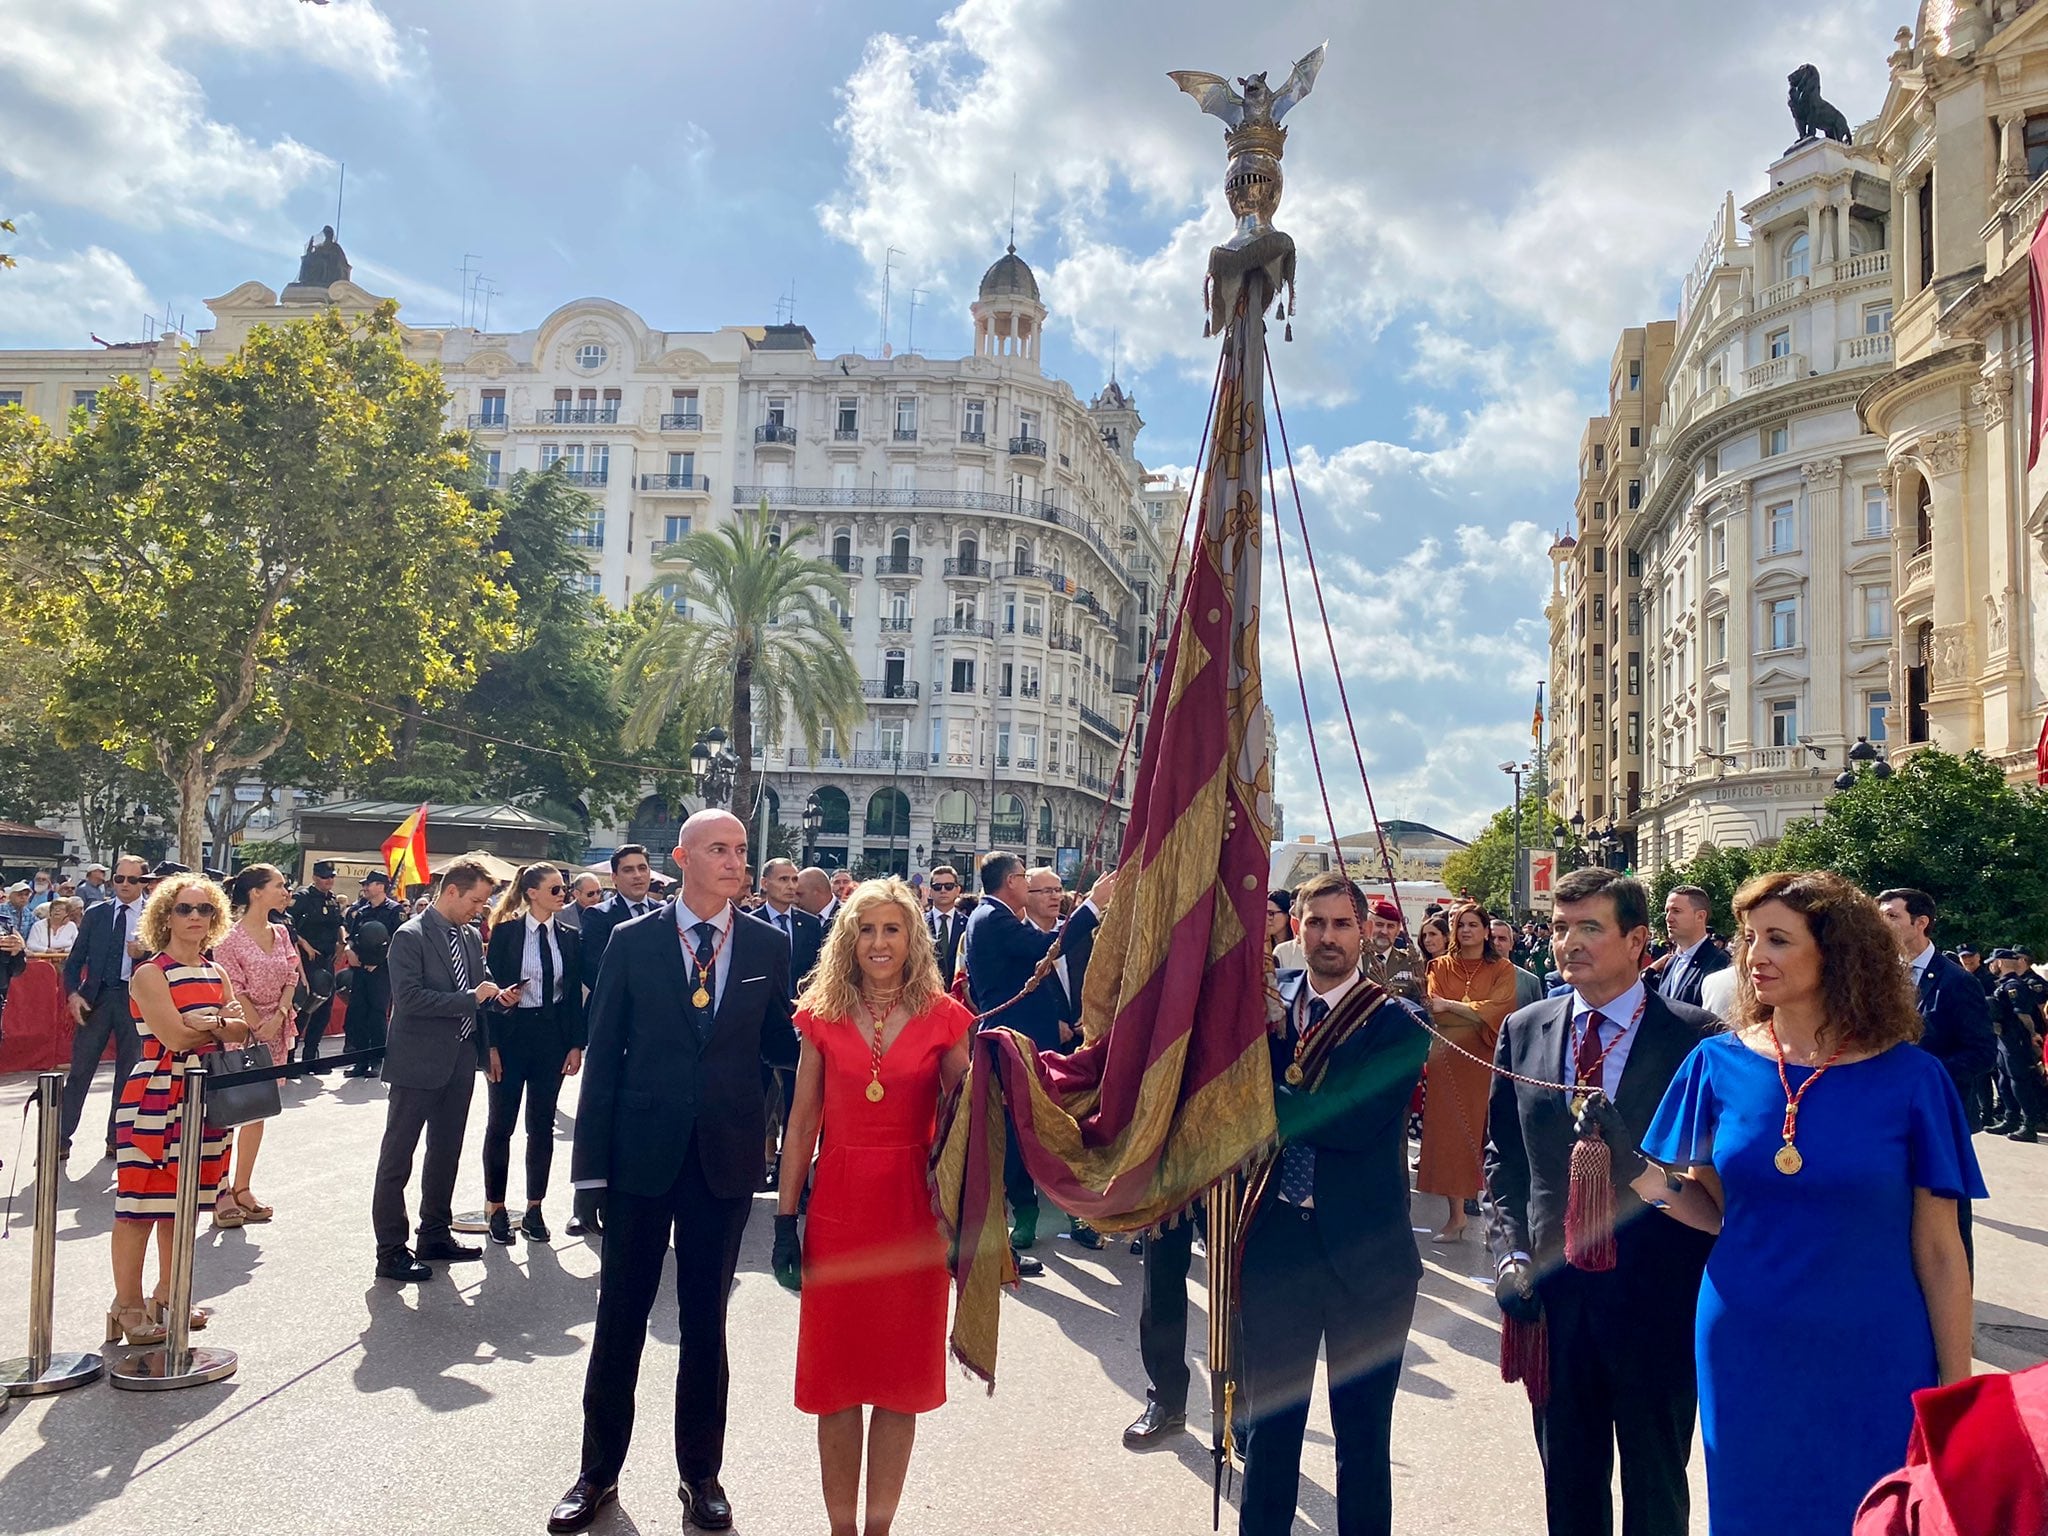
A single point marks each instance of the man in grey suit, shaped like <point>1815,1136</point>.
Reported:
<point>436,1044</point>
<point>1528,987</point>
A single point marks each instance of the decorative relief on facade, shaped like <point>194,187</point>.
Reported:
<point>714,406</point>
<point>1822,472</point>
<point>1951,660</point>
<point>1992,395</point>
<point>1996,605</point>
<point>1736,499</point>
<point>1944,453</point>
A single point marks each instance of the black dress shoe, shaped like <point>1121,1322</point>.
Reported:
<point>1028,1268</point>
<point>585,1215</point>
<point>533,1226</point>
<point>1085,1235</point>
<point>501,1227</point>
<point>1153,1426</point>
<point>448,1251</point>
<point>2024,1133</point>
<point>705,1505</point>
<point>402,1266</point>
<point>579,1506</point>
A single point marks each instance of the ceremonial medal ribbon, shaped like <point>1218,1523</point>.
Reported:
<point>1787,1160</point>
<point>707,970</point>
<point>877,1020</point>
<point>1591,1078</point>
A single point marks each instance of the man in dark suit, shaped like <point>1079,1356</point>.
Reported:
<point>947,919</point>
<point>632,875</point>
<point>1954,1013</point>
<point>1694,954</point>
<point>1003,951</point>
<point>1329,1250</point>
<point>96,984</point>
<point>1621,1340</point>
<point>805,933</point>
<point>670,1126</point>
<point>437,1044</point>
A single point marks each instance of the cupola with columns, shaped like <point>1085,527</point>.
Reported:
<point>1008,319</point>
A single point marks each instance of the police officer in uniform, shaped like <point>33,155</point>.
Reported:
<point>369,924</point>
<point>315,920</point>
<point>2017,1003</point>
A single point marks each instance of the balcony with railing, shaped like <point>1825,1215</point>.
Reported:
<point>892,762</point>
<point>903,435</point>
<point>1027,447</point>
<point>682,421</point>
<point>1130,686</point>
<point>1867,351</point>
<point>899,567</point>
<point>967,570</point>
<point>846,622</point>
<point>891,625</point>
<point>577,415</point>
<point>1919,568</point>
<point>587,538</point>
<point>973,439</point>
<point>888,690</point>
<point>847,565</point>
<point>1027,690</point>
<point>1027,764</point>
<point>688,485</point>
<point>587,476</point>
<point>1101,724</point>
<point>1062,642</point>
<point>773,434</point>
<point>980,629</point>
<point>952,832</point>
<point>1004,830</point>
<point>488,421</point>
<point>1776,370</point>
<point>1780,293</point>
<point>846,434</point>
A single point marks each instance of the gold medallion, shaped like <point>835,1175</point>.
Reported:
<point>1578,1106</point>
<point>1788,1159</point>
<point>701,998</point>
<point>1294,1074</point>
<point>875,1091</point>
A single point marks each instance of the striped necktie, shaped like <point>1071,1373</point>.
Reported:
<point>458,967</point>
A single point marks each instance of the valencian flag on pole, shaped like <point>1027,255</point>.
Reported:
<point>1536,721</point>
<point>2037,292</point>
<point>405,853</point>
<point>1173,1089</point>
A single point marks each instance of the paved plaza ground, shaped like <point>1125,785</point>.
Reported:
<point>453,1406</point>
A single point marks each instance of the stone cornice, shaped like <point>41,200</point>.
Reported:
<point>1910,380</point>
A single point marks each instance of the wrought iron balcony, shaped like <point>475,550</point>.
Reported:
<point>1060,642</point>
<point>848,564</point>
<point>893,626</point>
<point>1130,686</point>
<point>488,420</point>
<point>1027,691</point>
<point>773,433</point>
<point>1000,831</point>
<point>587,476</point>
<point>952,831</point>
<point>883,688</point>
<point>577,415</point>
<point>846,621</point>
<point>1027,447</point>
<point>1100,723</point>
<point>588,538</point>
<point>682,421</point>
<point>968,570</point>
<point>983,628</point>
<point>698,484</point>
<point>900,762</point>
<point>905,435</point>
<point>899,565</point>
<point>1028,764</point>
<point>1034,627</point>
<point>974,439</point>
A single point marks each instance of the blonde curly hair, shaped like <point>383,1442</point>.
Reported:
<point>833,991</point>
<point>156,916</point>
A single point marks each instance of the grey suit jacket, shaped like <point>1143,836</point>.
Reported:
<point>425,1048</point>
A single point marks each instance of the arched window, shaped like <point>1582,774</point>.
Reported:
<point>1045,823</point>
<point>1023,556</point>
<point>899,544</point>
<point>1796,261</point>
<point>969,552</point>
<point>953,818</point>
<point>842,548</point>
<point>888,814</point>
<point>834,812</point>
<point>1008,823</point>
<point>1923,514</point>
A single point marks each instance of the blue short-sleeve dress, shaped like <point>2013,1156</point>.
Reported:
<point>1812,1332</point>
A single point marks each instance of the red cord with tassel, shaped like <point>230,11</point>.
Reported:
<point>1525,1357</point>
<point>1589,1205</point>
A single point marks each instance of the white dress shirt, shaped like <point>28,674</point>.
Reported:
<point>537,934</point>
<point>1620,1015</point>
<point>686,921</point>
<point>1680,962</point>
<point>130,927</point>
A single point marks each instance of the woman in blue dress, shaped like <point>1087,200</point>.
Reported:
<point>1828,1152</point>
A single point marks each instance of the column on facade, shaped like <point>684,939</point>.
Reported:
<point>1954,707</point>
<point>1826,626</point>
<point>1740,724</point>
<point>2006,705</point>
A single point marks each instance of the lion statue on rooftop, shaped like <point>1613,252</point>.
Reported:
<point>1814,116</point>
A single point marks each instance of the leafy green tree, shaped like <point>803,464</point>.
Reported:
<point>249,548</point>
<point>1484,869</point>
<point>41,777</point>
<point>436,771</point>
<point>1953,827</point>
<point>1720,872</point>
<point>757,631</point>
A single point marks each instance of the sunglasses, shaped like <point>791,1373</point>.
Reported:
<point>195,909</point>
<point>127,879</point>
<point>938,887</point>
<point>554,890</point>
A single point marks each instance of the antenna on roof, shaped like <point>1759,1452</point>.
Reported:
<point>1113,337</point>
<point>488,289</point>
<point>888,264</point>
<point>340,181</point>
<point>1013,210</point>
<point>785,307</point>
<point>468,286</point>
<point>910,341</point>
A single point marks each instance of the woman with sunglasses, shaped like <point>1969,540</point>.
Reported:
<point>536,1034</point>
<point>263,964</point>
<point>184,1007</point>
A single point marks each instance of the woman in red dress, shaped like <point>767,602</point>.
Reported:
<point>881,1042</point>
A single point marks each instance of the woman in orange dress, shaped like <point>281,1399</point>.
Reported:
<point>1471,991</point>
<point>881,1042</point>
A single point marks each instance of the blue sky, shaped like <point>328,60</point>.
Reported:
<point>1483,195</point>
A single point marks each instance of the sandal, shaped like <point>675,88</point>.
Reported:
<point>157,1306</point>
<point>251,1208</point>
<point>132,1324</point>
<point>226,1213</point>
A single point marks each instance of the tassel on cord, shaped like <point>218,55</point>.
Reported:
<point>1589,1205</point>
<point>1525,1357</point>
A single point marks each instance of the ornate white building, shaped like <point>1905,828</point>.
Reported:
<point>1766,601</point>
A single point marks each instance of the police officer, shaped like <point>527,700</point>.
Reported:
<point>2017,1004</point>
<point>315,919</point>
<point>369,924</point>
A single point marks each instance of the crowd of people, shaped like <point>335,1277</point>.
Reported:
<point>1786,1114</point>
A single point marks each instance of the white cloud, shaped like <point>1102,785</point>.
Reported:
<point>60,298</point>
<point>96,110</point>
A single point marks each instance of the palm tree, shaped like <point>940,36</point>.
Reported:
<point>754,627</point>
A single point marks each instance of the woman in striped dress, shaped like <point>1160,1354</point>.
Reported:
<point>185,1007</point>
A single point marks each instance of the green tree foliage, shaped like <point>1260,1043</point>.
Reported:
<point>1719,872</point>
<point>250,548</point>
<point>758,633</point>
<point>1953,827</point>
<point>1485,868</point>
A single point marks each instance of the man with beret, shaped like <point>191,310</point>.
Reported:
<point>315,920</point>
<point>2017,1003</point>
<point>369,924</point>
<point>1392,965</point>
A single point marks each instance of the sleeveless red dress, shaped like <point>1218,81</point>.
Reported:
<point>873,1322</point>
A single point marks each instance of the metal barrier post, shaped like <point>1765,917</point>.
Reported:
<point>42,1371</point>
<point>175,1362</point>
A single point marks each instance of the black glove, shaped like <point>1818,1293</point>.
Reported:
<point>788,1261</point>
<point>588,1208</point>
<point>1514,1292</point>
<point>1601,1114</point>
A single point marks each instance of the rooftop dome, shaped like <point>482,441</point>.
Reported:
<point>1008,277</point>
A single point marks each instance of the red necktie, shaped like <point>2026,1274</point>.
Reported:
<point>1586,1065</point>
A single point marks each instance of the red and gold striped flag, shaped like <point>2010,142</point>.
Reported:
<point>405,853</point>
<point>1174,1088</point>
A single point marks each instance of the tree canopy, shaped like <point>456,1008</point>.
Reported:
<point>1484,869</point>
<point>248,549</point>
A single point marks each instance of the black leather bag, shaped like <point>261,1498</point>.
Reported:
<point>240,1103</point>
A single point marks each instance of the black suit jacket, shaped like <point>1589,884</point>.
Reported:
<point>648,1083</point>
<point>95,957</point>
<point>503,959</point>
<point>949,937</point>
<point>1956,1022</point>
<point>1002,952</point>
<point>1711,958</point>
<point>1357,1121</point>
<point>779,1046</point>
<point>596,924</point>
<point>1529,1147</point>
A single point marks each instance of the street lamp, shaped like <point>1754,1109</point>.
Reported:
<point>1863,758</point>
<point>813,819</point>
<point>713,765</point>
<point>1515,904</point>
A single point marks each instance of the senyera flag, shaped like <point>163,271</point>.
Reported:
<point>405,853</point>
<point>2037,294</point>
<point>1173,1089</point>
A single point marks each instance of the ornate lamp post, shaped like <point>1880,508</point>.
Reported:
<point>813,819</point>
<point>1863,758</point>
<point>713,765</point>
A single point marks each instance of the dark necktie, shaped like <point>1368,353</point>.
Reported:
<point>458,967</point>
<point>1586,1065</point>
<point>120,937</point>
<point>706,977</point>
<point>547,966</point>
<point>1298,1158</point>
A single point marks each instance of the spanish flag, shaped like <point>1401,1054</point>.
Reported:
<point>1536,721</point>
<point>405,853</point>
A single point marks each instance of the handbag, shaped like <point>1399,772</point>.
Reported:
<point>240,1103</point>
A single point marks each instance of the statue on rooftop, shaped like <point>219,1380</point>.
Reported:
<point>324,262</point>
<point>1812,115</point>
